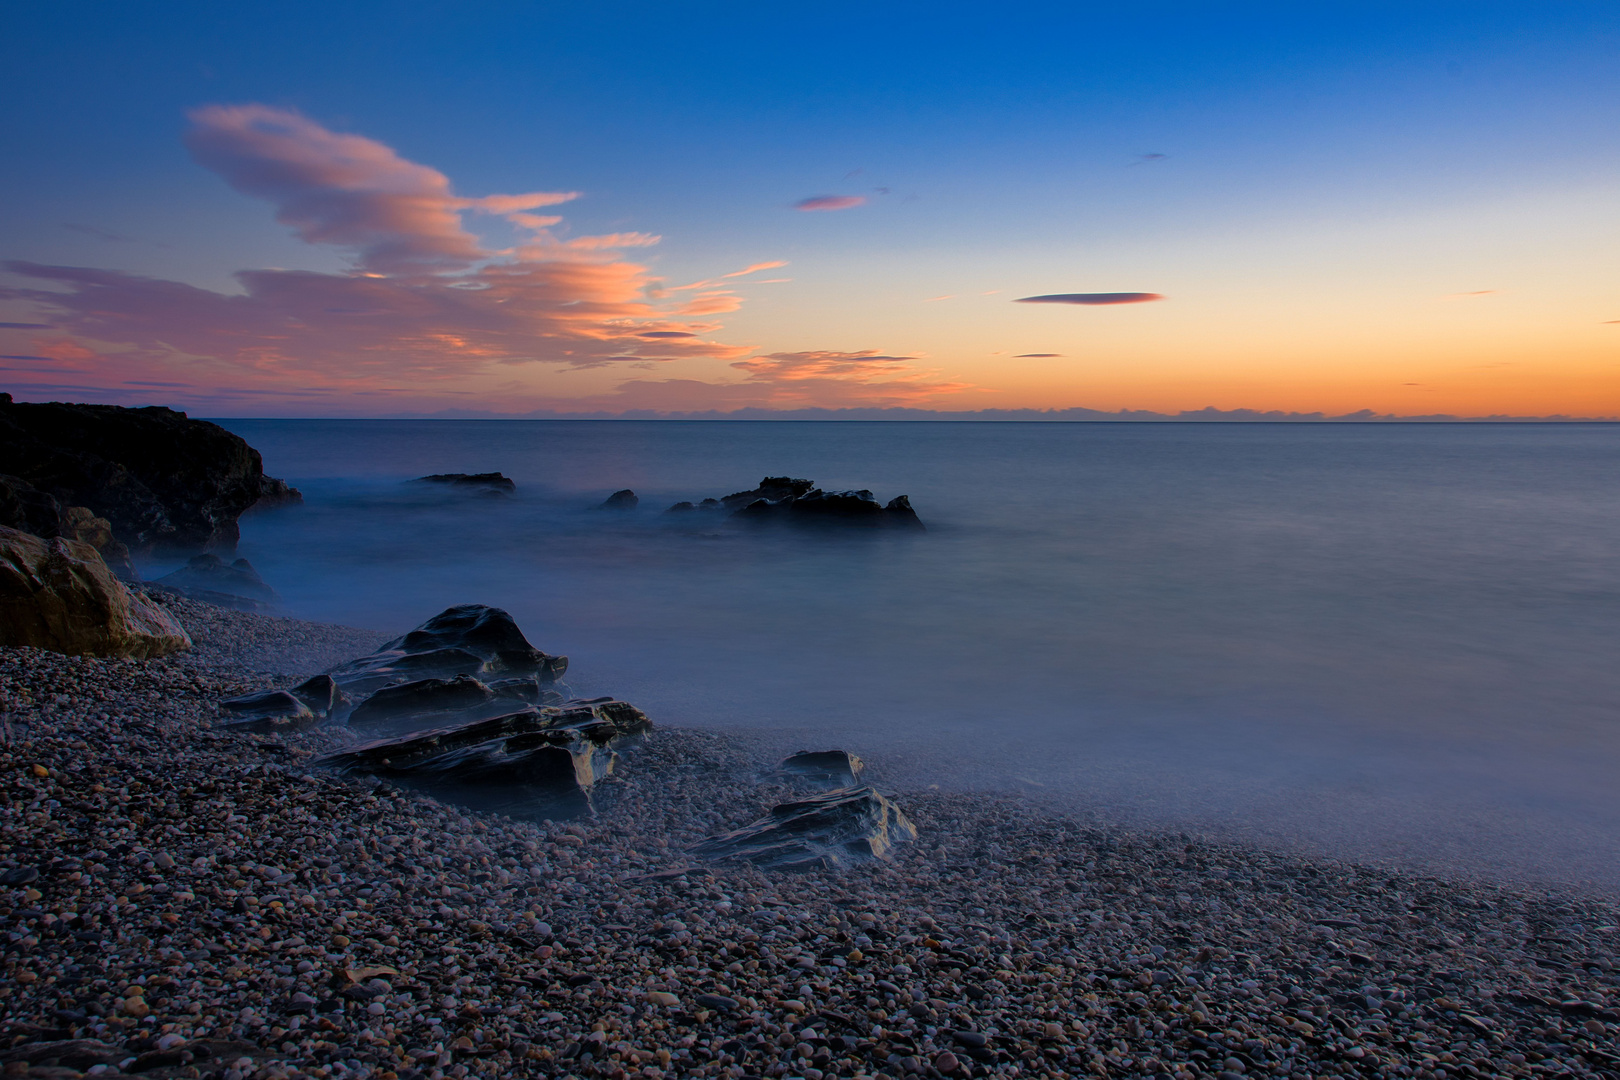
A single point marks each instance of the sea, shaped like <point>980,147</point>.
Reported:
<point>1391,643</point>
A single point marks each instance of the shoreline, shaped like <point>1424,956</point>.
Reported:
<point>328,928</point>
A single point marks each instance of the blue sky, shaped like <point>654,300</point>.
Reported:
<point>1000,152</point>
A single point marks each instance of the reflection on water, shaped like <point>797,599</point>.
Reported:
<point>1391,641</point>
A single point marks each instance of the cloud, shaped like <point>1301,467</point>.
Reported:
<point>1091,298</point>
<point>755,268</point>
<point>1471,295</point>
<point>1148,159</point>
<point>426,306</point>
<point>947,296</point>
<point>1035,355</point>
<point>830,202</point>
<point>26,326</point>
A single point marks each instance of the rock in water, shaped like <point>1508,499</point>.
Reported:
<point>772,489</point>
<point>484,483</point>
<point>828,769</point>
<point>59,595</point>
<point>534,761</point>
<point>469,639</point>
<point>163,480</point>
<point>211,579</point>
<point>837,829</point>
<point>787,500</point>
<point>620,500</point>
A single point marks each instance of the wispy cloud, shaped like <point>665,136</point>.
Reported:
<point>830,202</point>
<point>1035,355</point>
<point>793,380</point>
<point>1471,295</point>
<point>756,268</point>
<point>426,303</point>
<point>947,296</point>
<point>1091,298</point>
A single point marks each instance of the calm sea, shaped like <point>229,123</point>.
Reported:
<point>1382,641</point>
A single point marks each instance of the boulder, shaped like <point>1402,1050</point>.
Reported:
<point>26,508</point>
<point>211,579</point>
<point>470,639</point>
<point>485,483</point>
<point>771,489</point>
<point>827,769</point>
<point>620,500</point>
<point>320,693</point>
<point>267,711</point>
<point>60,595</point>
<point>787,500</point>
<point>164,481</point>
<point>838,829</point>
<point>536,761</point>
<point>422,698</point>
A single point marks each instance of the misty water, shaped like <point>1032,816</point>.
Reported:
<point>1385,642</point>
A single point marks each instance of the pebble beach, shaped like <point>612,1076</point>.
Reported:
<point>181,901</point>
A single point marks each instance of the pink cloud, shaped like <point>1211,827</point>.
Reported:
<point>830,202</point>
<point>755,268</point>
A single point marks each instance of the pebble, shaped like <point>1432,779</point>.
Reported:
<point>169,889</point>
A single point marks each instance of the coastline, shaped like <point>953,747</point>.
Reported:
<point>280,922</point>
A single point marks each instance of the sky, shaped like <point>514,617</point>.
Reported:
<point>362,209</point>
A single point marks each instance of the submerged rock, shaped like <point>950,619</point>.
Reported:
<point>487,483</point>
<point>840,828</point>
<point>536,760</point>
<point>787,500</point>
<point>620,500</point>
<point>211,579</point>
<point>469,639</point>
<point>829,769</point>
<point>60,595</point>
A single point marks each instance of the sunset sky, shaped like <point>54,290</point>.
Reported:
<point>361,209</point>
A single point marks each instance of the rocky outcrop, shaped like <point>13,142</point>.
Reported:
<point>620,500</point>
<point>470,639</point>
<point>26,508</point>
<point>786,500</point>
<point>840,828</point>
<point>486,483</point>
<point>527,763</point>
<point>212,579</point>
<point>421,699</point>
<point>59,594</point>
<point>163,481</point>
<point>826,769</point>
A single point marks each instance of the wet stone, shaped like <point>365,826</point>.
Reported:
<point>826,769</point>
<point>837,829</point>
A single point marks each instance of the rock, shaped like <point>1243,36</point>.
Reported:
<point>523,763</point>
<point>267,712</point>
<point>487,483</point>
<point>422,698</point>
<point>717,1001</point>
<point>60,595</point>
<point>620,500</point>
<point>25,508</point>
<point>528,691</point>
<point>786,500</point>
<point>80,1054</point>
<point>81,524</point>
<point>211,579</point>
<point>320,693</point>
<point>837,829</point>
<point>771,489</point>
<point>469,639</point>
<point>163,480</point>
<point>828,769</point>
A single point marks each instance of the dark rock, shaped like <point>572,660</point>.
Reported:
<point>320,693</point>
<point>525,762</point>
<point>470,639</point>
<point>620,500</point>
<point>527,691</point>
<point>681,508</point>
<point>267,712</point>
<point>786,500</point>
<point>422,698</point>
<point>19,875</point>
<point>27,509</point>
<point>79,1054</point>
<point>211,579</point>
<point>717,1001</point>
<point>829,769</point>
<point>771,489</point>
<point>837,829</point>
<point>164,481</point>
<point>488,483</point>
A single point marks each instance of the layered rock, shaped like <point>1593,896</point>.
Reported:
<point>60,595</point>
<point>826,769</point>
<point>470,639</point>
<point>163,480</point>
<point>536,761</point>
<point>838,829</point>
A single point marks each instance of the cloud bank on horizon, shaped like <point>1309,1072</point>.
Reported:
<point>426,309</point>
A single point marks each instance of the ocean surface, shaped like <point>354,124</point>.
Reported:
<point>1382,642</point>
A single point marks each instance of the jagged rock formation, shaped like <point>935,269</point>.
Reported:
<point>266,712</point>
<point>785,500</point>
<point>487,483</point>
<point>26,508</point>
<point>163,480</point>
<point>840,828</point>
<point>469,639</point>
<point>59,594</point>
<point>826,769</point>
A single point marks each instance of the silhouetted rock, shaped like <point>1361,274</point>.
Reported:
<point>771,489</point>
<point>786,500</point>
<point>620,500</point>
<point>837,829</point>
<point>162,480</point>
<point>829,769</point>
<point>27,509</point>
<point>470,639</point>
<point>529,762</point>
<point>233,585</point>
<point>59,594</point>
<point>487,483</point>
<point>267,711</point>
<point>320,693</point>
<point>422,698</point>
